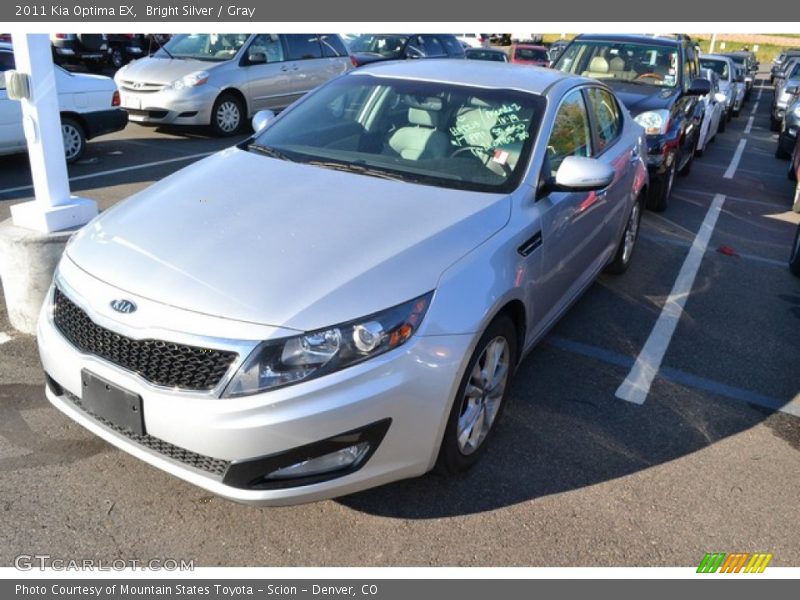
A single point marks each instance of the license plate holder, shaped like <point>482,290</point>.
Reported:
<point>109,401</point>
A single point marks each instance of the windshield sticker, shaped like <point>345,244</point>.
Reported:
<point>489,128</point>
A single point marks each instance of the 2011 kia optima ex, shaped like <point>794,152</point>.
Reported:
<point>341,300</point>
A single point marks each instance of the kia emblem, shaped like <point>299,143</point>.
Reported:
<point>123,306</point>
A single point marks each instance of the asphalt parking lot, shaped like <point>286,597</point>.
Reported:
<point>577,476</point>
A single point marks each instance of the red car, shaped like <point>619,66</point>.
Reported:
<point>528,54</point>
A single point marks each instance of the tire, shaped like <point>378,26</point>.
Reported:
<point>460,452</point>
<point>627,243</point>
<point>74,139</point>
<point>796,201</point>
<point>658,197</point>
<point>687,168</point>
<point>794,258</point>
<point>774,124</point>
<point>736,112</point>
<point>117,58</point>
<point>227,116</point>
<point>781,153</point>
<point>723,122</point>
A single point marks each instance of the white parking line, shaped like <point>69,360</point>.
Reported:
<point>755,108</point>
<point>4,337</point>
<point>760,91</point>
<point>637,384</point>
<point>737,156</point>
<point>115,171</point>
<point>749,126</point>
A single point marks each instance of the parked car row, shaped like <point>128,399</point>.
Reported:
<point>96,50</point>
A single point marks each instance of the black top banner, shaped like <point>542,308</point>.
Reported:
<point>441,11</point>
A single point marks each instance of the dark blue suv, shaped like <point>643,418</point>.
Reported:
<point>658,79</point>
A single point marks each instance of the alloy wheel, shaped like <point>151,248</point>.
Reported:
<point>72,140</point>
<point>228,116</point>
<point>631,232</point>
<point>483,395</point>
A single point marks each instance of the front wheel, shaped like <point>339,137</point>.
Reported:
<point>658,197</point>
<point>227,116</point>
<point>480,398</point>
<point>774,124</point>
<point>622,257</point>
<point>794,259</point>
<point>74,139</point>
<point>796,202</point>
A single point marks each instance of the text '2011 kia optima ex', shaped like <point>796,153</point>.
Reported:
<point>341,300</point>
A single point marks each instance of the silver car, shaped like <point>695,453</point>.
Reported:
<point>782,96</point>
<point>219,79</point>
<point>725,68</point>
<point>342,300</point>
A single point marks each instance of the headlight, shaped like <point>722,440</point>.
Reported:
<point>796,111</point>
<point>277,363</point>
<point>721,97</point>
<point>655,122</point>
<point>189,81</point>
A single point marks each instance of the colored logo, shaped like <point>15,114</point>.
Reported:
<point>739,562</point>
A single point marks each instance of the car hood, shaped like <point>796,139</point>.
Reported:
<point>641,98</point>
<point>163,70</point>
<point>261,240</point>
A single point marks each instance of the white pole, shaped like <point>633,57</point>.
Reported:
<point>713,43</point>
<point>54,208</point>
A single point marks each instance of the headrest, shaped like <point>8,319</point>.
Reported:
<point>422,117</point>
<point>598,65</point>
<point>617,63</point>
<point>423,102</point>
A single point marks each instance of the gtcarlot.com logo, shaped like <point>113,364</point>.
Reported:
<point>28,562</point>
<point>738,562</point>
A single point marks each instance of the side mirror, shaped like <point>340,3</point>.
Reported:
<point>699,87</point>
<point>581,174</point>
<point>794,90</point>
<point>257,58</point>
<point>261,119</point>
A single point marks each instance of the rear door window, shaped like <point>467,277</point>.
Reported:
<point>332,45</point>
<point>303,46</point>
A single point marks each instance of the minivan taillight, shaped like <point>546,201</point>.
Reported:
<point>115,99</point>
<point>353,61</point>
<point>61,36</point>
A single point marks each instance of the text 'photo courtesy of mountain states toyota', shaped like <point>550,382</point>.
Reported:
<point>342,299</point>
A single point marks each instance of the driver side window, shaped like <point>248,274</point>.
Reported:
<point>571,134</point>
<point>268,44</point>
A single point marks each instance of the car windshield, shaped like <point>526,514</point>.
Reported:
<point>388,46</point>
<point>795,72</point>
<point>216,47</point>
<point>421,132</point>
<point>720,67</point>
<point>530,54</point>
<point>486,55</point>
<point>633,62</point>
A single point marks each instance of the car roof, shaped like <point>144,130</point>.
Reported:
<point>630,37</point>
<point>470,73</point>
<point>715,57</point>
<point>495,50</point>
<point>530,46</point>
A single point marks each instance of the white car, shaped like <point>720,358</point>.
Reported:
<point>473,40</point>
<point>89,106</point>
<point>714,113</point>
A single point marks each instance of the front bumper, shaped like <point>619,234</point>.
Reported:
<point>169,107</point>
<point>411,386</point>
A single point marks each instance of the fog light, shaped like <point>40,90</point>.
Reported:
<point>334,461</point>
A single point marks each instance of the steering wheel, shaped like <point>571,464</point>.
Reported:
<point>487,156</point>
<point>649,76</point>
<point>471,149</point>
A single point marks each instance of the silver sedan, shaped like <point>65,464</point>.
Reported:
<point>342,300</point>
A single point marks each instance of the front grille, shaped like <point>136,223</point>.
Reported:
<point>214,466</point>
<point>141,87</point>
<point>160,362</point>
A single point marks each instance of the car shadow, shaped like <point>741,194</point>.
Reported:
<point>555,438</point>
